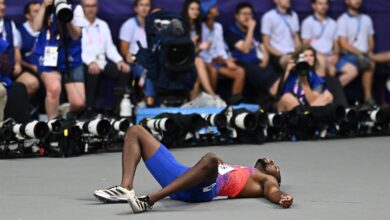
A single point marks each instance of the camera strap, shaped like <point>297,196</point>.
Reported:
<point>64,38</point>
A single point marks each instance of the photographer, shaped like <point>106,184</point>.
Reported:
<point>303,87</point>
<point>51,51</point>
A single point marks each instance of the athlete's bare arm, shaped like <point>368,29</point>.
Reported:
<point>272,193</point>
<point>263,185</point>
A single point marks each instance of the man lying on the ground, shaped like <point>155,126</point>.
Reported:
<point>208,178</point>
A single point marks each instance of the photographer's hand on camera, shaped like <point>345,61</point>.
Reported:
<point>289,68</point>
<point>17,70</point>
<point>47,3</point>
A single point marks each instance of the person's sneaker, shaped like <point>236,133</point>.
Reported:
<point>140,204</point>
<point>370,102</point>
<point>114,194</point>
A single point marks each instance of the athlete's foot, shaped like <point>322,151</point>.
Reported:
<point>114,194</point>
<point>140,204</point>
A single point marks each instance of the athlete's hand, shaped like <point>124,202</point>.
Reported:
<point>286,201</point>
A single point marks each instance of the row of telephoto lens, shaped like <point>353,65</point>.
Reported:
<point>61,137</point>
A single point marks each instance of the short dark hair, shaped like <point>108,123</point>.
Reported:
<point>242,5</point>
<point>136,2</point>
<point>315,1</point>
<point>28,5</point>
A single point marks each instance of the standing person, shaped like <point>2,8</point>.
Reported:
<point>280,27</point>
<point>215,55</point>
<point>191,15</point>
<point>10,34</point>
<point>356,37</point>
<point>52,65</point>
<point>320,32</point>
<point>208,178</point>
<point>132,31</point>
<point>99,54</point>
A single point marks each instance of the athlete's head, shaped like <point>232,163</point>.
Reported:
<point>269,167</point>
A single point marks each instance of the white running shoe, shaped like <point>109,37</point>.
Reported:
<point>140,204</point>
<point>114,194</point>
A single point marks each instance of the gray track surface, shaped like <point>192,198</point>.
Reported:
<point>336,179</point>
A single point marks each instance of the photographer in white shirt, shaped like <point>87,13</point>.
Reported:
<point>99,54</point>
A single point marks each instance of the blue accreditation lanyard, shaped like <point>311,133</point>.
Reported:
<point>359,25</point>
<point>323,26</point>
<point>285,21</point>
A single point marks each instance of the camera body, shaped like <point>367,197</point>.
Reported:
<point>302,67</point>
<point>170,56</point>
<point>63,10</point>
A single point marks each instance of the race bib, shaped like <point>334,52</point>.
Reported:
<point>50,57</point>
<point>224,169</point>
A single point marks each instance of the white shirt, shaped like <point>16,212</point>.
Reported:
<point>79,17</point>
<point>131,32</point>
<point>281,29</point>
<point>29,29</point>
<point>357,30</point>
<point>322,34</point>
<point>15,32</point>
<point>97,44</point>
<point>214,37</point>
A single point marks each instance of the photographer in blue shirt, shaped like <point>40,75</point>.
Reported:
<point>303,89</point>
<point>51,51</point>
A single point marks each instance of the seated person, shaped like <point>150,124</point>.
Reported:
<point>192,18</point>
<point>280,27</point>
<point>29,38</point>
<point>215,55</point>
<point>207,179</point>
<point>133,30</point>
<point>355,31</point>
<point>99,54</point>
<point>303,89</point>
<point>244,44</point>
<point>10,34</point>
<point>320,32</point>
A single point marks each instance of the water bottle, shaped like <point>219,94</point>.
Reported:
<point>126,107</point>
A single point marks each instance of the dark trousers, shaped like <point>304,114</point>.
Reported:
<point>92,82</point>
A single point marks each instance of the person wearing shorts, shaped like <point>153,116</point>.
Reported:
<point>208,178</point>
<point>51,64</point>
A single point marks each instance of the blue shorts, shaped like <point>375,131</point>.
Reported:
<point>348,58</point>
<point>76,74</point>
<point>165,169</point>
